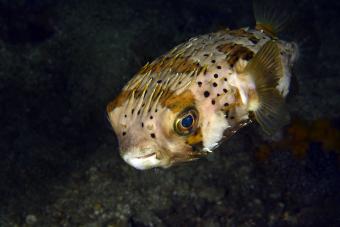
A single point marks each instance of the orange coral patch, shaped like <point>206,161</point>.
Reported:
<point>301,134</point>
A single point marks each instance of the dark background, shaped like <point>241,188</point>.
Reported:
<point>61,62</point>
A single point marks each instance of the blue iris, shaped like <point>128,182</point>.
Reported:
<point>187,121</point>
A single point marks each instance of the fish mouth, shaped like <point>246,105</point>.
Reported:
<point>142,162</point>
<point>146,156</point>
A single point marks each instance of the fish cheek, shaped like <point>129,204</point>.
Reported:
<point>173,142</point>
<point>175,148</point>
<point>195,138</point>
<point>178,148</point>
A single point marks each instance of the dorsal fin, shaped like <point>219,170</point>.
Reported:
<point>271,17</point>
<point>266,70</point>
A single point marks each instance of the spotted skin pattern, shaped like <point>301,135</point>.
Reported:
<point>205,73</point>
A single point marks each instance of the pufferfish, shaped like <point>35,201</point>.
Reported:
<point>182,105</point>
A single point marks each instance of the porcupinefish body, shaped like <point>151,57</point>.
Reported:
<point>185,103</point>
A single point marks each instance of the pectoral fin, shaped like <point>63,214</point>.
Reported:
<point>266,70</point>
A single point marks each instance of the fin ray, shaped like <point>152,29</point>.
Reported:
<point>270,17</point>
<point>266,70</point>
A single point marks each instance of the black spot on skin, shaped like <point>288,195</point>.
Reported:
<point>138,112</point>
<point>248,57</point>
<point>206,55</point>
<point>125,115</point>
<point>232,117</point>
<point>218,94</point>
<point>206,94</point>
<point>225,90</point>
<point>226,114</point>
<point>216,75</point>
<point>225,79</point>
<point>151,117</point>
<point>226,104</point>
<point>149,110</point>
<point>133,110</point>
<point>219,67</point>
<point>143,104</point>
<point>153,136</point>
<point>142,125</point>
<point>215,84</point>
<point>213,61</point>
<point>124,133</point>
<point>199,83</point>
<point>231,65</point>
<point>156,110</point>
<point>213,102</point>
<point>179,82</point>
<point>159,81</point>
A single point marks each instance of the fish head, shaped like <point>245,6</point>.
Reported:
<point>160,133</point>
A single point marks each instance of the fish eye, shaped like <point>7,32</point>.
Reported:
<point>186,122</point>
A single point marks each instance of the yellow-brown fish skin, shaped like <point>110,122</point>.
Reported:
<point>208,75</point>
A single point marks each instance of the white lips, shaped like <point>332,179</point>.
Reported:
<point>142,162</point>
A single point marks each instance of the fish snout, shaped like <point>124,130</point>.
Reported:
<point>141,157</point>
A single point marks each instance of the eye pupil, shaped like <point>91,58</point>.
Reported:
<point>187,121</point>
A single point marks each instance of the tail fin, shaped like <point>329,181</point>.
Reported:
<point>266,70</point>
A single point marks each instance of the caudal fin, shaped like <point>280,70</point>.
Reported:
<point>266,70</point>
